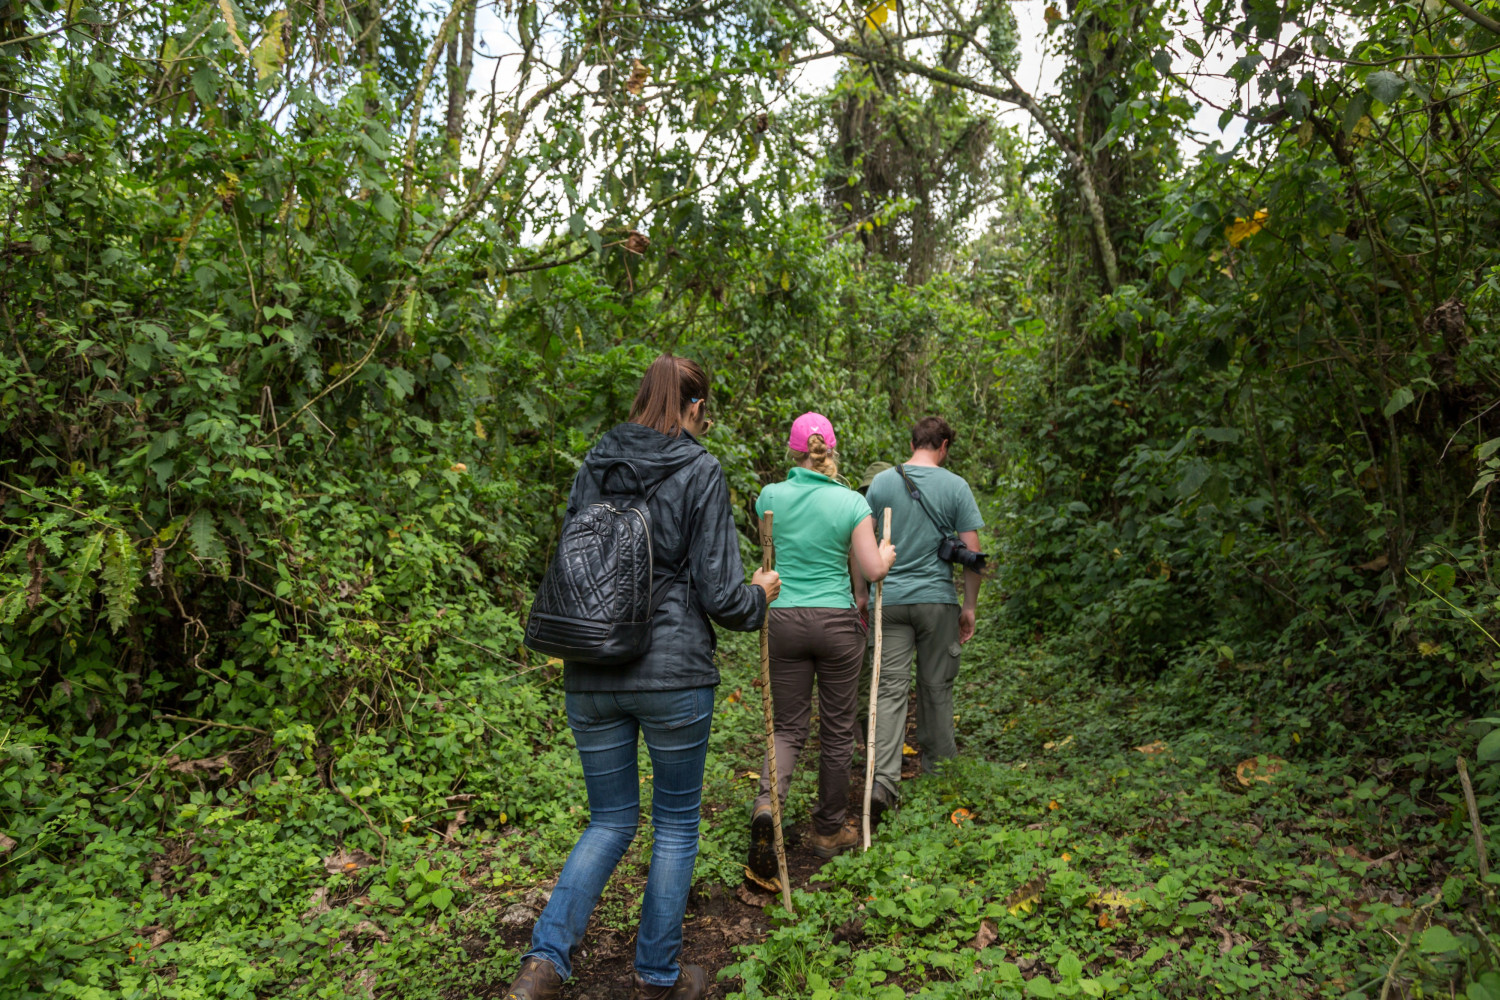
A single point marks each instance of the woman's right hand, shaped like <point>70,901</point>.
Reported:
<point>768,580</point>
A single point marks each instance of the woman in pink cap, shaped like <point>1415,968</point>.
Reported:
<point>824,533</point>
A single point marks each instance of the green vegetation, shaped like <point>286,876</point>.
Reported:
<point>309,312</point>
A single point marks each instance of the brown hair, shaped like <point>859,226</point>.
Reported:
<point>824,459</point>
<point>664,393</point>
<point>931,432</point>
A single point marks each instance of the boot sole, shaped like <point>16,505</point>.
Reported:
<point>763,846</point>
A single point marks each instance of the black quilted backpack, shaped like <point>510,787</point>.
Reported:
<point>595,603</point>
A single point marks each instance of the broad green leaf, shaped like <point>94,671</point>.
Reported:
<point>1400,400</point>
<point>1489,747</point>
<point>1437,939</point>
<point>1385,86</point>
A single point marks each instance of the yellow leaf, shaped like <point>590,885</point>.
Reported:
<point>959,815</point>
<point>907,751</point>
<point>1053,805</point>
<point>270,51</point>
<point>1263,769</point>
<point>479,430</point>
<point>786,281</point>
<point>458,467</point>
<point>1362,129</point>
<point>1243,229</point>
<point>1058,745</point>
<point>1114,898</point>
<point>878,14</point>
<point>234,29</point>
<point>1153,748</point>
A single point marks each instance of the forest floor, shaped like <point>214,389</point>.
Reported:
<point>1189,836</point>
<point>1227,828</point>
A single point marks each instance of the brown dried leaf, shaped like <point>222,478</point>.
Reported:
<point>987,935</point>
<point>455,824</point>
<point>341,861</point>
<point>639,74</point>
<point>219,763</point>
<point>6,844</point>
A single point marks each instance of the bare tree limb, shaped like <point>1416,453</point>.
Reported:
<point>1013,95</point>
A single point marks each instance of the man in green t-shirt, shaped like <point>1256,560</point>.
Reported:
<point>922,618</point>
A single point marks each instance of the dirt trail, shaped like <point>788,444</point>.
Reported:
<point>718,918</point>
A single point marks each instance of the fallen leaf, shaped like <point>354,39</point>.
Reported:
<point>341,861</point>
<point>750,897</point>
<point>6,844</point>
<point>455,824</point>
<point>1375,565</point>
<point>987,935</point>
<point>1058,745</point>
<point>1112,899</point>
<point>959,815</point>
<point>318,905</point>
<point>907,750</point>
<point>772,885</point>
<point>1153,748</point>
<point>458,467</point>
<point>1053,805</point>
<point>367,929</point>
<point>1264,768</point>
<point>203,764</point>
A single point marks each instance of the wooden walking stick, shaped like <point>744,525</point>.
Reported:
<point>885,532</point>
<point>768,561</point>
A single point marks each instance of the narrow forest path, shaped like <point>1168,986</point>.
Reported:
<point>1183,837</point>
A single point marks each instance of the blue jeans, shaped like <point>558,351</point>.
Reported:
<point>605,724</point>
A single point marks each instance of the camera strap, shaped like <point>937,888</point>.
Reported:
<point>916,494</point>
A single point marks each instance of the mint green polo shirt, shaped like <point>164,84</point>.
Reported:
<point>814,518</point>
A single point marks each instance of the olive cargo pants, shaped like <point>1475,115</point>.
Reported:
<point>927,633</point>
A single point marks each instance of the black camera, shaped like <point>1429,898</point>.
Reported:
<point>953,550</point>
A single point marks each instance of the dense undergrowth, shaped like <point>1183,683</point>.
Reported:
<point>1228,829</point>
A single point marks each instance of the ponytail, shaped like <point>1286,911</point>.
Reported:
<point>665,390</point>
<point>821,458</point>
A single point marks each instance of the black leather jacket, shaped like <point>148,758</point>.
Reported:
<point>697,573</point>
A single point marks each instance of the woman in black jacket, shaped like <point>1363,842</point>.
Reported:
<point>667,694</point>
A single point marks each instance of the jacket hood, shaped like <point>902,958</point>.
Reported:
<point>654,455</point>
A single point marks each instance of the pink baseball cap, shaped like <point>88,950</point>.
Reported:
<point>806,426</point>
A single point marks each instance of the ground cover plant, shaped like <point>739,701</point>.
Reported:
<point>309,312</point>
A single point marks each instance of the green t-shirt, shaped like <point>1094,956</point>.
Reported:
<point>814,517</point>
<point>919,576</point>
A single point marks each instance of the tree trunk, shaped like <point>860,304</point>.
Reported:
<point>369,54</point>
<point>460,63</point>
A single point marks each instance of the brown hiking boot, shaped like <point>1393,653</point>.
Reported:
<point>826,845</point>
<point>537,980</point>
<point>763,843</point>
<point>692,984</point>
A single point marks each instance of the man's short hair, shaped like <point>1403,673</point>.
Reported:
<point>930,432</point>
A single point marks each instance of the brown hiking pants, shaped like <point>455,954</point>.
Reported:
<point>827,644</point>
